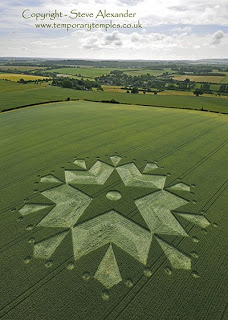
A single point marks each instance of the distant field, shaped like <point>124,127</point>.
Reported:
<point>75,66</point>
<point>84,72</point>
<point>138,72</point>
<point>11,86</point>
<point>73,77</point>
<point>166,92</point>
<point>214,79</point>
<point>10,100</point>
<point>21,68</point>
<point>224,80</point>
<point>183,93</point>
<point>96,72</point>
<point>113,88</point>
<point>162,93</point>
<point>214,87</point>
<point>17,76</point>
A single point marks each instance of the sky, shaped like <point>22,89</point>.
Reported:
<point>167,29</point>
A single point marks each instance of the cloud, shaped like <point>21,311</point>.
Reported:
<point>112,37</point>
<point>171,29</point>
<point>152,39</point>
<point>178,8</point>
<point>82,44</point>
<point>99,40</point>
<point>217,37</point>
<point>194,12</point>
<point>151,13</point>
<point>26,3</point>
<point>182,30</point>
<point>91,43</point>
<point>119,43</point>
<point>131,2</point>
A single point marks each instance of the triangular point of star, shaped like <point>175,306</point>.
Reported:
<point>197,219</point>
<point>115,160</point>
<point>108,271</point>
<point>32,208</point>
<point>80,163</point>
<point>49,178</point>
<point>177,259</point>
<point>180,187</point>
<point>45,248</point>
<point>150,167</point>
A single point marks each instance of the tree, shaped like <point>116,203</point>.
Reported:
<point>134,90</point>
<point>198,92</point>
<point>223,88</point>
<point>187,80</point>
<point>21,81</point>
<point>171,87</point>
<point>67,83</point>
<point>205,87</point>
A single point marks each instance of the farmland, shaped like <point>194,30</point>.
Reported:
<point>153,72</point>
<point>213,79</point>
<point>165,78</point>
<point>20,68</point>
<point>165,92</point>
<point>84,72</point>
<point>96,72</point>
<point>12,86</point>
<point>44,93</point>
<point>225,79</point>
<point>17,77</point>
<point>47,151</point>
<point>113,190</point>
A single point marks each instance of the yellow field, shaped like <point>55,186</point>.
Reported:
<point>175,93</point>
<point>163,93</point>
<point>184,93</point>
<point>113,89</point>
<point>17,76</point>
<point>213,79</point>
<point>116,89</point>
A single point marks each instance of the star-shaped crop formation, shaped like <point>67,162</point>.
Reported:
<point>98,211</point>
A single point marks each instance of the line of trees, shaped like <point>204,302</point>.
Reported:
<point>77,84</point>
<point>144,81</point>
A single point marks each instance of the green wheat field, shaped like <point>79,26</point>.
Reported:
<point>112,211</point>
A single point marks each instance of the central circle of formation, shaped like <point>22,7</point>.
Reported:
<point>113,195</point>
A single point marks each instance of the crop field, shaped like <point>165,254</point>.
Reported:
<point>183,93</point>
<point>113,88</point>
<point>12,86</point>
<point>113,212</point>
<point>225,79</point>
<point>153,72</point>
<point>39,94</point>
<point>84,72</point>
<point>214,87</point>
<point>72,77</point>
<point>21,68</point>
<point>213,79</point>
<point>162,93</point>
<point>17,76</point>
